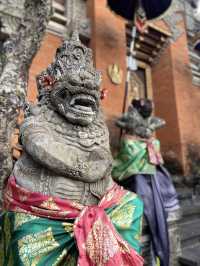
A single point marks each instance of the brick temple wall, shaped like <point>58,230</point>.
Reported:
<point>43,58</point>
<point>177,100</point>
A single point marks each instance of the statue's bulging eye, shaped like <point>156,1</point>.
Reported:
<point>62,94</point>
<point>78,53</point>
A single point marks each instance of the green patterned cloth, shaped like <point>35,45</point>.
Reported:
<point>29,240</point>
<point>133,158</point>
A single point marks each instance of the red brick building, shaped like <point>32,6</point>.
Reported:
<point>164,72</point>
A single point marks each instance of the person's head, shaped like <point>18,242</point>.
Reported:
<point>143,106</point>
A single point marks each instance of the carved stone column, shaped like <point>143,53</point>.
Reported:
<point>29,21</point>
<point>10,15</point>
<point>76,10</point>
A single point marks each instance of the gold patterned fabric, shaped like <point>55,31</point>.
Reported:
<point>54,232</point>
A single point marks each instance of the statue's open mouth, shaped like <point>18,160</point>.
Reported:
<point>78,107</point>
<point>83,104</point>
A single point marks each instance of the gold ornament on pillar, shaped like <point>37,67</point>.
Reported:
<point>115,74</point>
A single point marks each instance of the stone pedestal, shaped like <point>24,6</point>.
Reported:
<point>174,237</point>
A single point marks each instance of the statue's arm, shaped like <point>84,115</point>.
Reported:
<point>156,123</point>
<point>122,121</point>
<point>39,142</point>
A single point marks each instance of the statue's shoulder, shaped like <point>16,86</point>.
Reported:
<point>156,122</point>
<point>36,116</point>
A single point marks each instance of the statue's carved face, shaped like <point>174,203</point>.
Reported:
<point>77,97</point>
<point>75,89</point>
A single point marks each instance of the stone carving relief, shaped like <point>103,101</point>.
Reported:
<point>10,14</point>
<point>12,7</point>
<point>173,17</point>
<point>65,139</point>
<point>9,24</point>
<point>76,10</point>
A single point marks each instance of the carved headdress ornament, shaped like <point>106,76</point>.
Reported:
<point>71,57</point>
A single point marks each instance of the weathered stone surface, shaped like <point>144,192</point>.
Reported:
<point>174,237</point>
<point>11,15</point>
<point>190,232</point>
<point>134,124</point>
<point>190,257</point>
<point>18,52</point>
<point>65,139</point>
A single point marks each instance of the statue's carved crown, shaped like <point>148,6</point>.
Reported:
<point>71,57</point>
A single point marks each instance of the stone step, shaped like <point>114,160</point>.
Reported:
<point>190,256</point>
<point>190,225</point>
<point>190,233</point>
<point>188,211</point>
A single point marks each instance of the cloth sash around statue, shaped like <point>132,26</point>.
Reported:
<point>43,230</point>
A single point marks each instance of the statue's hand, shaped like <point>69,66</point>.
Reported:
<point>156,123</point>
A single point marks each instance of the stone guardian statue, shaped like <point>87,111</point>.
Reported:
<point>139,168</point>
<point>61,206</point>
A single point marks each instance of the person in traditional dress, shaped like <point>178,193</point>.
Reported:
<point>139,167</point>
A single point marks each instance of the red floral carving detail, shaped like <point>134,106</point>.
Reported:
<point>47,81</point>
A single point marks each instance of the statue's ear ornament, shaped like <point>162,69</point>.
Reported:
<point>46,82</point>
